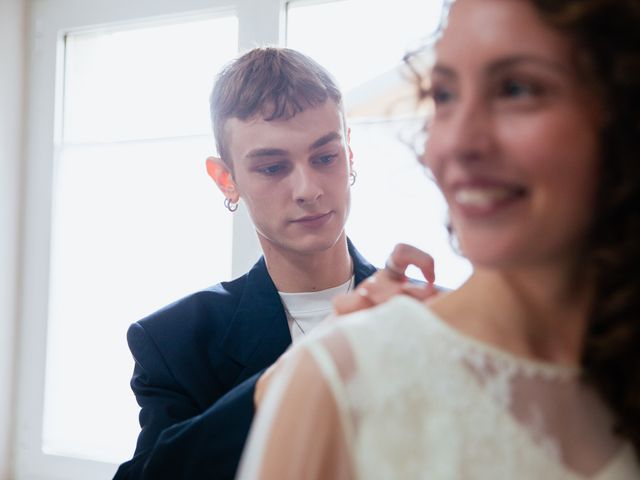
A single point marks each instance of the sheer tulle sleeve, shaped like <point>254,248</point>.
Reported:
<point>395,392</point>
<point>301,430</point>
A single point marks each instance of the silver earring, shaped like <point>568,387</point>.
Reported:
<point>352,176</point>
<point>229,205</point>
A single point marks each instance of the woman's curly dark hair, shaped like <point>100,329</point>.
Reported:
<point>606,37</point>
<point>606,34</point>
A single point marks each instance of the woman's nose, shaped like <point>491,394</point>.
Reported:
<point>467,133</point>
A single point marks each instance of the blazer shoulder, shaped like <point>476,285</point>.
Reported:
<point>203,313</point>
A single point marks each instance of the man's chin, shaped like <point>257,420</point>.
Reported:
<point>304,244</point>
<point>314,245</point>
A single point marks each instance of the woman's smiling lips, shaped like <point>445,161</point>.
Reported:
<point>481,198</point>
<point>313,221</point>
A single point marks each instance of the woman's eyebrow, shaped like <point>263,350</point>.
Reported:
<point>443,70</point>
<point>509,62</point>
<point>516,60</point>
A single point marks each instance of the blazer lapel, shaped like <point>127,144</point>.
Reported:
<point>361,268</point>
<point>258,333</point>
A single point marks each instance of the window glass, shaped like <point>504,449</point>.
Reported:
<point>394,199</point>
<point>136,221</point>
<point>141,83</point>
<point>358,40</point>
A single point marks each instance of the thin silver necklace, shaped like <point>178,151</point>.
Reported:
<point>288,313</point>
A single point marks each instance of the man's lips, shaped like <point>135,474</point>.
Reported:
<point>311,218</point>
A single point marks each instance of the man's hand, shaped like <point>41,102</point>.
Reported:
<point>377,289</point>
<point>391,281</point>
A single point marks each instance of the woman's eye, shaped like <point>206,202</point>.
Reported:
<point>441,95</point>
<point>517,89</point>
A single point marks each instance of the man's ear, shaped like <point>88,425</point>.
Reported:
<point>220,173</point>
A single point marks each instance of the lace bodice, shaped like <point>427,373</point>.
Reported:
<point>412,398</point>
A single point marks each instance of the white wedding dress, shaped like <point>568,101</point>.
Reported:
<point>397,393</point>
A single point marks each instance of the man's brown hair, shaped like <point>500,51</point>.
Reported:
<point>275,83</point>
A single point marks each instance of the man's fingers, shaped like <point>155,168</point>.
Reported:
<point>393,271</point>
<point>390,281</point>
<point>380,288</point>
<point>352,302</point>
<point>373,291</point>
<point>404,255</point>
<point>419,292</point>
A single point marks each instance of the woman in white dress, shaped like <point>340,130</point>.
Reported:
<point>531,369</point>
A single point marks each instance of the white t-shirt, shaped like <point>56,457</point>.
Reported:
<point>305,310</point>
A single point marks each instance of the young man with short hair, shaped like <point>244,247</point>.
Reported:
<point>284,149</point>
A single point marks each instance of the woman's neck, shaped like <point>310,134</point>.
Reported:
<point>540,313</point>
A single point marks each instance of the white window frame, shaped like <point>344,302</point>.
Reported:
<point>260,22</point>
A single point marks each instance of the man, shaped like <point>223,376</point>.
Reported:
<point>284,149</point>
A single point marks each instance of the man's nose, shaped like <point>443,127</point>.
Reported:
<point>305,185</point>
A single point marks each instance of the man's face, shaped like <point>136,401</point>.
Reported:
<point>293,176</point>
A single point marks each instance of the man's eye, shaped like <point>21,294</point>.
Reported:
<point>271,169</point>
<point>325,159</point>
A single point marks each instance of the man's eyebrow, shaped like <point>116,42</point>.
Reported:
<point>266,152</point>
<point>280,152</point>
<point>329,137</point>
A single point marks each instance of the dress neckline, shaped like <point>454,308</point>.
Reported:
<point>527,365</point>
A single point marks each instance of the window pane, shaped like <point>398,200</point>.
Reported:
<point>144,83</point>
<point>394,199</point>
<point>136,225</point>
<point>356,46</point>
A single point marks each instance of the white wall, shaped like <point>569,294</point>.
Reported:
<point>12,61</point>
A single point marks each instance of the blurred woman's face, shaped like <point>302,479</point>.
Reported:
<point>514,139</point>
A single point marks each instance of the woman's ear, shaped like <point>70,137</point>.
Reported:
<point>223,177</point>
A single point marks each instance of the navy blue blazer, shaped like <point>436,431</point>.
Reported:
<point>196,365</point>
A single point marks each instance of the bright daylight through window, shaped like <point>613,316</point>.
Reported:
<point>136,222</point>
<point>392,187</point>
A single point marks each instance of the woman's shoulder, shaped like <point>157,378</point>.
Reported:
<point>395,333</point>
<point>396,313</point>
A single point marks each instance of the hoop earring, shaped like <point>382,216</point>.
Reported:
<point>232,207</point>
<point>353,175</point>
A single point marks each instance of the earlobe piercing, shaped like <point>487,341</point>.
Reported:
<point>229,205</point>
<point>353,175</point>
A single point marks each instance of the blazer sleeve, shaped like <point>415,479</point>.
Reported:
<point>178,439</point>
